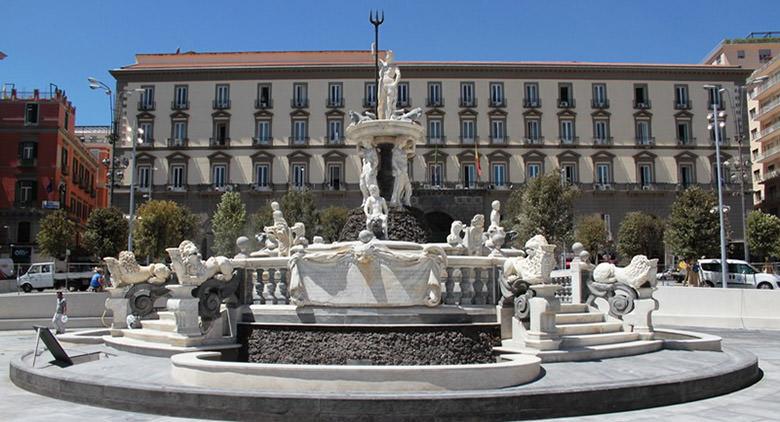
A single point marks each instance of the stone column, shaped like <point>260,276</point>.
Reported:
<point>640,319</point>
<point>119,306</point>
<point>185,310</point>
<point>542,333</point>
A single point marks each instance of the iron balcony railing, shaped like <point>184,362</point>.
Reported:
<point>180,105</point>
<point>434,102</point>
<point>682,104</point>
<point>220,104</point>
<point>599,103</point>
<point>532,102</point>
<point>264,103</point>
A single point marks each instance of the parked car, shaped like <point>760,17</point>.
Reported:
<point>741,274</point>
<point>44,276</point>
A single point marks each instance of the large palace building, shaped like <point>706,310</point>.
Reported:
<point>630,136</point>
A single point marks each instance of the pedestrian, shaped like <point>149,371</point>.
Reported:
<point>693,279</point>
<point>60,314</point>
<point>95,283</point>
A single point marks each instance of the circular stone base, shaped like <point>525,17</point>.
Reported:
<point>403,223</point>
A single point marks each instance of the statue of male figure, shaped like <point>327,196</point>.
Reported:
<point>370,168</point>
<point>389,76</point>
<point>402,187</point>
<point>375,208</point>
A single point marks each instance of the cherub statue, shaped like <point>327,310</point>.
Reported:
<point>190,269</point>
<point>473,239</point>
<point>125,271</point>
<point>277,214</point>
<point>375,209</point>
<point>495,216</point>
<point>454,239</point>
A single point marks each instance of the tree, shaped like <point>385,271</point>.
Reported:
<point>332,220</point>
<point>299,206</point>
<point>57,234</point>
<point>160,225</point>
<point>228,223</point>
<point>262,218</point>
<point>641,234</point>
<point>692,230</point>
<point>543,207</point>
<point>106,232</point>
<point>763,234</point>
<point>591,231</point>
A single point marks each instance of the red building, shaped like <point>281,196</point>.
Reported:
<point>43,167</point>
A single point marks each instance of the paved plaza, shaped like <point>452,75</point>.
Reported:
<point>755,403</point>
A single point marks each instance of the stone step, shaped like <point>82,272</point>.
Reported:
<point>166,316</point>
<point>574,308</point>
<point>160,349</point>
<point>602,351</point>
<point>579,317</point>
<point>582,340</point>
<point>589,328</point>
<point>157,336</point>
<point>159,325</point>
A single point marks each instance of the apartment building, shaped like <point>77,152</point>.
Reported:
<point>750,52</point>
<point>764,112</point>
<point>629,136</point>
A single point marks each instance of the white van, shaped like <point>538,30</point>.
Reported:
<point>44,276</point>
<point>741,274</point>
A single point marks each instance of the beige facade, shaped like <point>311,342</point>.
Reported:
<point>764,112</point>
<point>751,52</point>
<point>629,135</point>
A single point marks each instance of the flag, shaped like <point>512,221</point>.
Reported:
<point>476,158</point>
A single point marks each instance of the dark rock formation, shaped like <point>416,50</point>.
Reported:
<point>403,223</point>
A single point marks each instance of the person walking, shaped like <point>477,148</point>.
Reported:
<point>96,282</point>
<point>60,314</point>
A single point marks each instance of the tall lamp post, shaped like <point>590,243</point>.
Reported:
<point>96,84</point>
<point>715,126</point>
<point>740,169</point>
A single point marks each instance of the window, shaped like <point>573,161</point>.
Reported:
<point>643,132</point>
<point>262,175</point>
<point>403,95</point>
<point>299,175</point>
<point>764,55</point>
<point>28,151</point>
<point>467,98</point>
<point>144,177</point>
<point>23,232</point>
<point>740,54</point>
<point>64,160</point>
<point>434,94</point>
<point>721,133</point>
<point>147,137</point>
<point>686,175</point>
<point>25,192</point>
<point>334,176</point>
<point>569,172</point>
<point>496,94</point>
<point>468,131</point>
<point>531,99</point>
<point>714,98</point>
<point>645,174</point>
<point>300,95</point>
<point>219,175</point>
<point>177,176</point>
<point>67,120</point>
<point>335,99</point>
<point>335,131</point>
<point>369,97</point>
<point>599,95</point>
<point>681,100</point>
<point>565,95</point>
<point>222,98</point>
<point>263,96</point>
<point>601,131</point>
<point>179,132</point>
<point>498,170</point>
<point>221,137</point>
<point>498,131</point>
<point>684,132</point>
<point>435,135</point>
<point>533,130</point>
<point>567,131</point>
<point>469,175</point>
<point>180,97</point>
<point>147,98</point>
<point>263,131</point>
<point>300,131</point>
<point>31,114</point>
<point>603,174</point>
<point>534,169</point>
<point>436,174</point>
<point>641,100</point>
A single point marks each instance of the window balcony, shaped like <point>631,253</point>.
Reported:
<point>599,104</point>
<point>645,141</point>
<point>178,142</point>
<point>768,176</point>
<point>264,103</point>
<point>566,103</point>
<point>532,102</point>
<point>403,103</point>
<point>437,140</point>
<point>497,102</point>
<point>469,140</point>
<point>724,142</point>
<point>261,140</point>
<point>768,109</point>
<point>261,187</point>
<point>682,105</point>
<point>467,102</point>
<point>146,105</point>
<point>434,102</point>
<point>499,140</point>
<point>298,140</point>
<point>603,141</point>
<point>569,141</point>
<point>334,140</point>
<point>335,103</point>
<point>369,103</point>
<point>28,162</point>
<point>179,105</point>
<point>220,104</point>
<point>686,141</point>
<point>219,142</point>
<point>721,105</point>
<point>299,103</point>
<point>145,143</point>
<point>534,141</point>
<point>642,104</point>
<point>767,131</point>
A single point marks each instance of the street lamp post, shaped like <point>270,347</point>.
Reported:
<point>96,84</point>
<point>134,140</point>
<point>715,126</point>
<point>741,169</point>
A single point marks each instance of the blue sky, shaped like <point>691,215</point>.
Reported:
<point>64,42</point>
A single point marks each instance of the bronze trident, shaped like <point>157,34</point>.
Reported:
<point>376,20</point>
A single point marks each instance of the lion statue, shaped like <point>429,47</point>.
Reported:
<point>536,266</point>
<point>125,271</point>
<point>639,273</point>
<point>191,269</point>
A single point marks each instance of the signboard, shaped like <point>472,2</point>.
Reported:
<point>51,205</point>
<point>21,254</point>
<point>54,347</point>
